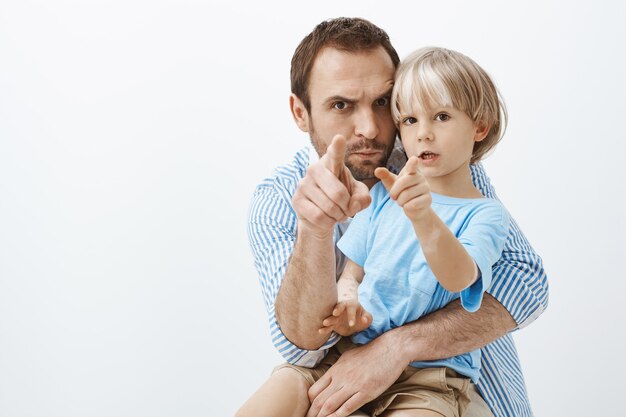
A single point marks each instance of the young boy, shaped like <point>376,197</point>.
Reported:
<point>427,238</point>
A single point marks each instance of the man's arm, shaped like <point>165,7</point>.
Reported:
<point>308,292</point>
<point>452,331</point>
<point>444,333</point>
<point>272,235</point>
<point>326,195</point>
<point>297,272</point>
<point>520,282</point>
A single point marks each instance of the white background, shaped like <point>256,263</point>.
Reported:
<point>132,134</point>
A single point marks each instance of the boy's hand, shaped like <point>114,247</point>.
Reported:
<point>409,188</point>
<point>348,316</point>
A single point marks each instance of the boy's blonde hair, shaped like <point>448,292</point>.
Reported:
<point>438,77</point>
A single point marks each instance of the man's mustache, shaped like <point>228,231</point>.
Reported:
<point>364,144</point>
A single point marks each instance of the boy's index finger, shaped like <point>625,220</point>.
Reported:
<point>336,154</point>
<point>411,166</point>
<point>387,177</point>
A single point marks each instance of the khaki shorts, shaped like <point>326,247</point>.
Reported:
<point>437,389</point>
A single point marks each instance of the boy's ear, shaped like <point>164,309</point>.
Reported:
<point>482,130</point>
<point>299,113</point>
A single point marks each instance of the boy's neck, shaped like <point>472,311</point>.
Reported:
<point>455,184</point>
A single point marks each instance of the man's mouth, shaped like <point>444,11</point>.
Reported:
<point>365,152</point>
<point>427,155</point>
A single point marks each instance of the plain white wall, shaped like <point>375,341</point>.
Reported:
<point>132,134</point>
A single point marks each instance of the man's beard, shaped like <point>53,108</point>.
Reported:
<point>365,170</point>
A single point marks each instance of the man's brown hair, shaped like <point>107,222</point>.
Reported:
<point>343,33</point>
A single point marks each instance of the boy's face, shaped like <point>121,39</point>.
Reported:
<point>350,95</point>
<point>442,138</point>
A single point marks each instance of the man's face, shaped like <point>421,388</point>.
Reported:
<point>350,95</point>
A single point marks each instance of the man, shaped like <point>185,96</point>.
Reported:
<point>342,76</point>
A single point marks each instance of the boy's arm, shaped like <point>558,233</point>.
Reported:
<point>348,283</point>
<point>348,316</point>
<point>447,258</point>
<point>480,244</point>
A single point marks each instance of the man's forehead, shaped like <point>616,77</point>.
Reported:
<point>351,73</point>
<point>338,64</point>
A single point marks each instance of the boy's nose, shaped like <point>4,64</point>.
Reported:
<point>424,132</point>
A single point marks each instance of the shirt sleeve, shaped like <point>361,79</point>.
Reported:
<point>483,239</point>
<point>272,233</point>
<point>519,281</point>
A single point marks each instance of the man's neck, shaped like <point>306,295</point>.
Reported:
<point>370,182</point>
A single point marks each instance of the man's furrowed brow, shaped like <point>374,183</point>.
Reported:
<point>387,92</point>
<point>334,99</point>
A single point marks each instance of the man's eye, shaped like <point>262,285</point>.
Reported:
<point>382,102</point>
<point>409,120</point>
<point>442,117</point>
<point>340,105</point>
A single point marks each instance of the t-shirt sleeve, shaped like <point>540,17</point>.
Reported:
<point>353,243</point>
<point>483,239</point>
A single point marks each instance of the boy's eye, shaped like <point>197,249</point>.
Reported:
<point>382,102</point>
<point>409,120</point>
<point>340,105</point>
<point>442,117</point>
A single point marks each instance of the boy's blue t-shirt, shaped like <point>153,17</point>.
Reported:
<point>399,286</point>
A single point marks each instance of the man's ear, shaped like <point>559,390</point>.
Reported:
<point>299,112</point>
<point>482,130</point>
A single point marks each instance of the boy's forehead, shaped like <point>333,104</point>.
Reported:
<point>421,105</point>
<point>420,96</point>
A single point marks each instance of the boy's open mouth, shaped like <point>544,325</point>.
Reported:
<point>427,155</point>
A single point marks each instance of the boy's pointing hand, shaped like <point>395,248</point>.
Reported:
<point>409,188</point>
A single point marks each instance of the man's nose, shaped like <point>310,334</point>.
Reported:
<point>366,125</point>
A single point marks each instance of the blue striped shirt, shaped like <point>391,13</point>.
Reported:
<point>519,283</point>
